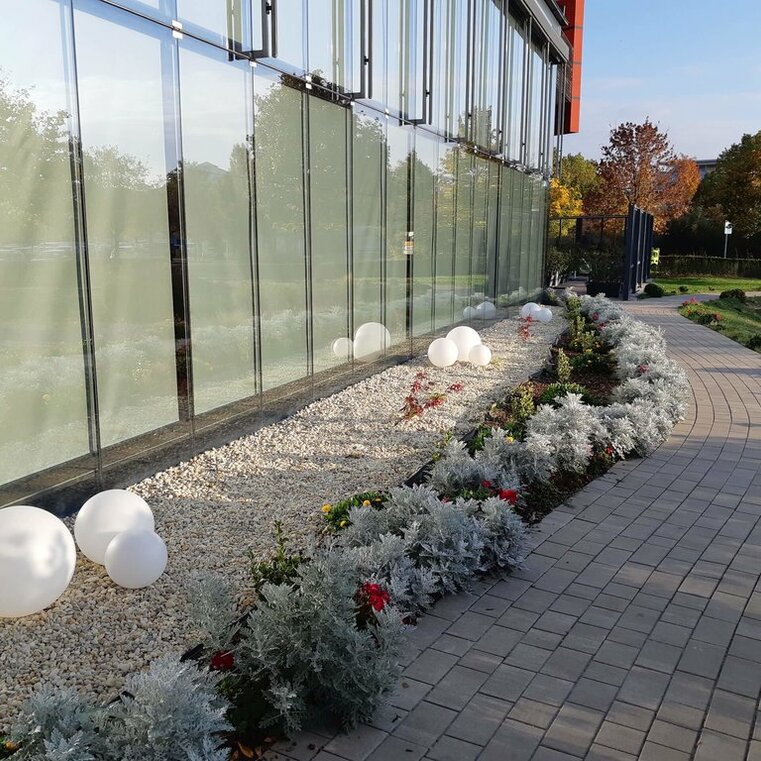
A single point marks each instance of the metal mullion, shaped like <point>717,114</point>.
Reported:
<point>306,202</point>
<point>176,219</point>
<point>349,148</point>
<point>82,254</point>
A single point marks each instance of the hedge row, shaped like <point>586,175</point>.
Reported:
<point>675,266</point>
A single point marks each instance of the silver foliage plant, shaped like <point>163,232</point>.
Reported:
<point>649,401</point>
<point>172,712</point>
<point>420,547</point>
<point>303,643</point>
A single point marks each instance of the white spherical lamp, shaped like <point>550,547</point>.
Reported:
<point>543,315</point>
<point>470,313</point>
<point>443,352</point>
<point>486,311</point>
<point>107,514</point>
<point>37,559</point>
<point>371,340</point>
<point>465,338</point>
<point>135,559</point>
<point>343,347</point>
<point>480,355</point>
<point>529,308</point>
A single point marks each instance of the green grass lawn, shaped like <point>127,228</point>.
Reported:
<point>706,284</point>
<point>737,320</point>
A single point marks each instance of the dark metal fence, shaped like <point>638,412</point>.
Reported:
<point>614,250</point>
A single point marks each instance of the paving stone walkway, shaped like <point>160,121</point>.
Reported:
<point>634,630</point>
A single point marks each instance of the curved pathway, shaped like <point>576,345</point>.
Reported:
<point>633,632</point>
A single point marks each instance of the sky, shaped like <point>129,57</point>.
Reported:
<point>692,66</point>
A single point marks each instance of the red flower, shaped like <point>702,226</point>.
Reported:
<point>456,387</point>
<point>643,369</point>
<point>376,596</point>
<point>608,451</point>
<point>487,484</point>
<point>508,495</point>
<point>224,660</point>
<point>595,316</point>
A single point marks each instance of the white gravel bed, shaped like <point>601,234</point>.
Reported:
<point>215,508</point>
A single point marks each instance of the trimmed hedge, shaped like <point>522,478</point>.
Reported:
<point>674,266</point>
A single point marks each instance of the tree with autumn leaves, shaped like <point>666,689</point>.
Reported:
<point>639,166</point>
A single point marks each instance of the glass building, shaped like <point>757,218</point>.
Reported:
<point>213,210</point>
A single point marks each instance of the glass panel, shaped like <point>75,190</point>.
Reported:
<point>290,35</point>
<point>480,174</point>
<point>42,383</point>
<point>507,274</point>
<point>525,235</point>
<point>463,288</point>
<point>450,25</point>
<point>333,29</point>
<point>536,99</point>
<point>217,223</point>
<point>328,140</point>
<point>487,79</point>
<point>492,230</point>
<point>224,22</point>
<point>426,153</point>
<point>516,228</point>
<point>445,237</point>
<point>281,253</point>
<point>397,227</point>
<point>122,101</point>
<point>514,115</point>
<point>367,184</point>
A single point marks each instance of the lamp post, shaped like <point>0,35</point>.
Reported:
<point>727,233</point>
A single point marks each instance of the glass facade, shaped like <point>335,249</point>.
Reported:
<point>248,197</point>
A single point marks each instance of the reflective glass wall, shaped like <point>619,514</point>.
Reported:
<point>249,198</point>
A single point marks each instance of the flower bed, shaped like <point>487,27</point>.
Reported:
<point>326,632</point>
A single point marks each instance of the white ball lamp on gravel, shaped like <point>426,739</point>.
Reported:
<point>529,309</point>
<point>470,313</point>
<point>543,314</point>
<point>443,352</point>
<point>480,355</point>
<point>465,338</point>
<point>37,559</point>
<point>136,558</point>
<point>371,340</point>
<point>107,514</point>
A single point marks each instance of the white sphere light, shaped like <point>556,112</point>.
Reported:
<point>486,310</point>
<point>470,313</point>
<point>443,352</point>
<point>480,355</point>
<point>37,559</point>
<point>465,338</point>
<point>135,559</point>
<point>343,347</point>
<point>529,308</point>
<point>371,340</point>
<point>107,514</point>
<point>543,315</point>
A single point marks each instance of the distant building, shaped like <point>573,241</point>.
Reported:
<point>706,166</point>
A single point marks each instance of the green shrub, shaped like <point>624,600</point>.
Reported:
<point>754,342</point>
<point>592,362</point>
<point>683,289</point>
<point>522,404</point>
<point>555,390</point>
<point>563,367</point>
<point>734,293</point>
<point>281,568</point>
<point>654,291</point>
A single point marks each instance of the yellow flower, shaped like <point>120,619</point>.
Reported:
<point>343,523</point>
<point>8,745</point>
<point>366,503</point>
<point>509,439</point>
<point>327,508</point>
